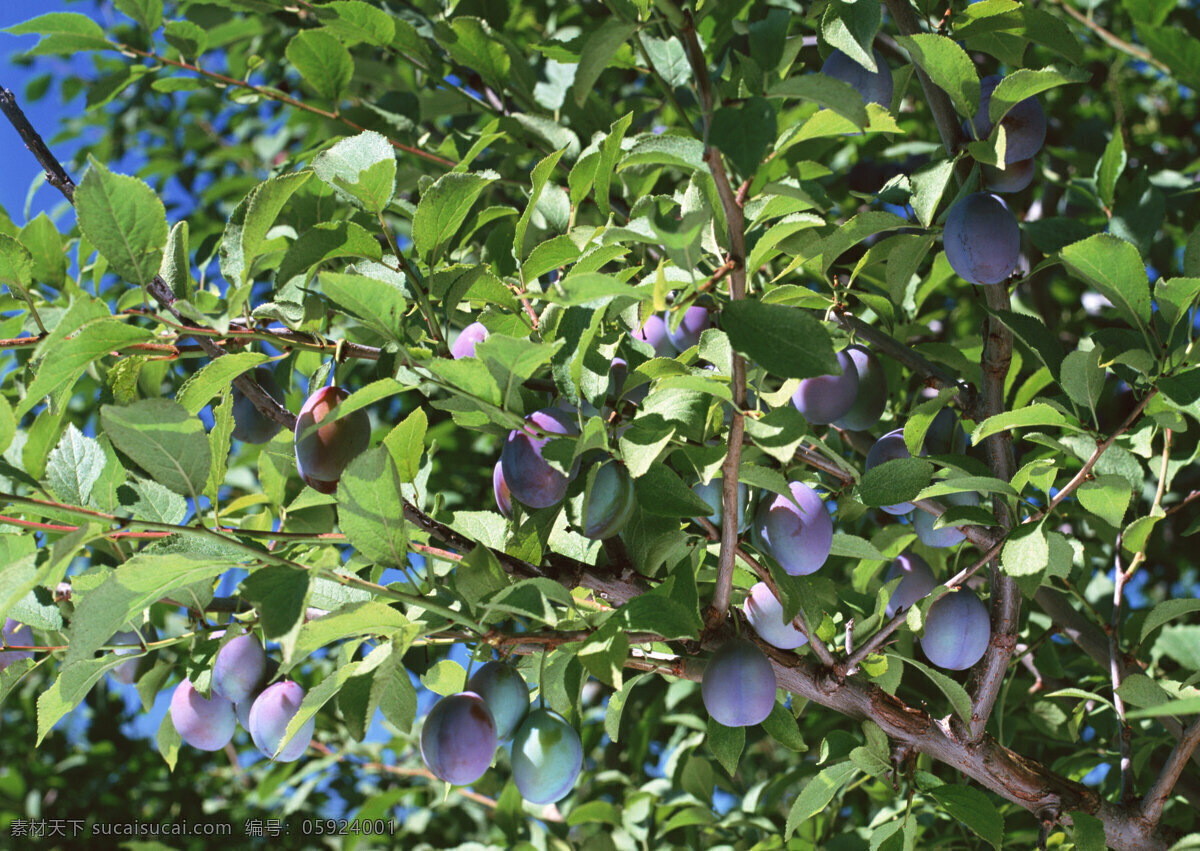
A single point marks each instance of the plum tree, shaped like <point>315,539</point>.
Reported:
<point>505,693</point>
<point>765,613</point>
<point>874,86</point>
<point>981,238</point>
<point>738,686</point>
<point>1024,125</point>
<point>826,398</point>
<point>712,493</point>
<point>890,447</point>
<point>872,394</point>
<point>16,633</point>
<point>609,500</point>
<point>654,332</point>
<point>546,757</point>
<point>796,532</point>
<point>458,739</point>
<point>530,478</point>
<point>500,491</point>
<point>916,581</point>
<point>324,451</point>
<point>464,344</point>
<point>1012,177</point>
<point>957,630</point>
<point>239,668</point>
<point>250,425</point>
<point>206,725</point>
<point>269,717</point>
<point>687,334</point>
<point>947,536</point>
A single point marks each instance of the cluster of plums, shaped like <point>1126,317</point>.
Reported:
<point>238,696</point>
<point>462,732</point>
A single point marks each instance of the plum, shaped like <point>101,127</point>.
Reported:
<point>713,494</point>
<point>654,332</point>
<point>324,452</point>
<point>765,613</point>
<point>982,240</point>
<point>916,581</point>
<point>269,716</point>
<point>1024,125</point>
<point>458,739</point>
<point>947,536</point>
<point>250,425</point>
<point>464,343</point>
<point>1011,178</point>
<point>501,492</point>
<point>945,435</point>
<point>19,635</point>
<point>207,725</point>
<point>874,87</point>
<point>872,394</point>
<point>890,447</point>
<point>239,668</point>
<point>695,320</point>
<point>739,684</point>
<point>126,672</point>
<point>505,693</point>
<point>957,631</point>
<point>609,501</point>
<point>546,757</point>
<point>530,478</point>
<point>799,538</point>
<point>828,397</point>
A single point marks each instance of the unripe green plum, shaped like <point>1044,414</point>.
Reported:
<point>458,738</point>
<point>798,535</point>
<point>765,613</point>
<point>872,394</point>
<point>1011,178</point>
<point>505,693</point>
<point>982,239</point>
<point>19,635</point>
<point>270,715</point>
<point>874,87</point>
<point>828,397</point>
<point>239,668</point>
<point>739,684</point>
<point>324,452</point>
<point>464,344</point>
<point>713,494</point>
<point>530,478</point>
<point>250,425</point>
<point>916,581</point>
<point>947,536</point>
<point>1024,125</point>
<point>546,757</point>
<point>207,725</point>
<point>609,501</point>
<point>890,447</point>
<point>957,631</point>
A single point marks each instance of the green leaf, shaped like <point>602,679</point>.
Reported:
<point>616,706</point>
<point>406,443</point>
<point>974,809</point>
<point>279,594</point>
<point>727,744</point>
<point>540,176</point>
<point>1087,831</point>
<point>660,491</point>
<point>604,653</point>
<point>1166,611</point>
<point>265,203</point>
<point>1107,497</point>
<point>62,32</point>
<point>471,43</point>
<point>1083,377</point>
<point>1175,47</point>
<point>148,13</point>
<point>1182,706</point>
<point>326,241</point>
<point>610,152</point>
<point>163,439</point>
<point>830,93</point>
<point>443,208</point>
<point>1115,268</point>
<point>960,701</point>
<point>74,466</point>
<point>1034,415</point>
<point>370,508</point>
<point>782,727</point>
<point>1110,167</point>
<point>357,21</point>
<point>850,26</point>
<point>124,219</point>
<point>68,690</point>
<point>679,151</point>
<point>895,482</point>
<point>45,245</point>
<point>175,269</point>
<point>818,793</point>
<point>362,169</point>
<point>787,342</point>
<point>598,49</point>
<point>16,264</point>
<point>855,231</point>
<point>350,621</point>
<point>744,133</point>
<point>1027,551</point>
<point>478,575</point>
<point>1026,83</point>
<point>378,304</point>
<point>215,377</point>
<point>948,65</point>
<point>1033,333</point>
<point>323,62</point>
<point>188,38</point>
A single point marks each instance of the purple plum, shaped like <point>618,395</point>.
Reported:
<point>798,535</point>
<point>738,686</point>
<point>765,613</point>
<point>530,478</point>
<point>458,739</point>
<point>957,631</point>
<point>269,716</point>
<point>206,725</point>
<point>828,397</point>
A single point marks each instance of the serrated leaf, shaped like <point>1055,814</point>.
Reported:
<point>371,509</point>
<point>948,65</point>
<point>323,62</point>
<point>215,377</point>
<point>744,133</point>
<point>406,443</point>
<point>1107,497</point>
<point>362,169</point>
<point>443,208</point>
<point>74,466</point>
<point>787,342</point>
<point>124,219</point>
<point>598,48</point>
<point>1115,268</point>
<point>163,439</point>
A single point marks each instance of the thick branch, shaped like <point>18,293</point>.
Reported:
<point>1160,792</point>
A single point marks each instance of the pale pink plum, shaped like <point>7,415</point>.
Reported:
<point>465,342</point>
<point>207,725</point>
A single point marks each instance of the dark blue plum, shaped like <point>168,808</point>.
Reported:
<point>982,239</point>
<point>270,715</point>
<point>1012,178</point>
<point>957,631</point>
<point>207,725</point>
<point>916,581</point>
<point>18,635</point>
<point>530,478</point>
<point>695,321</point>
<point>947,536</point>
<point>505,693</point>
<point>250,425</point>
<point>1024,125</point>
<point>739,684</point>
<point>890,447</point>
<point>826,398</point>
<point>765,613</point>
<point>945,435</point>
<point>798,535</point>
<point>874,87</point>
<point>712,493</point>
<point>546,757</point>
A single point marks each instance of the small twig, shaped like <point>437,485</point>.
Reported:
<point>1160,792</point>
